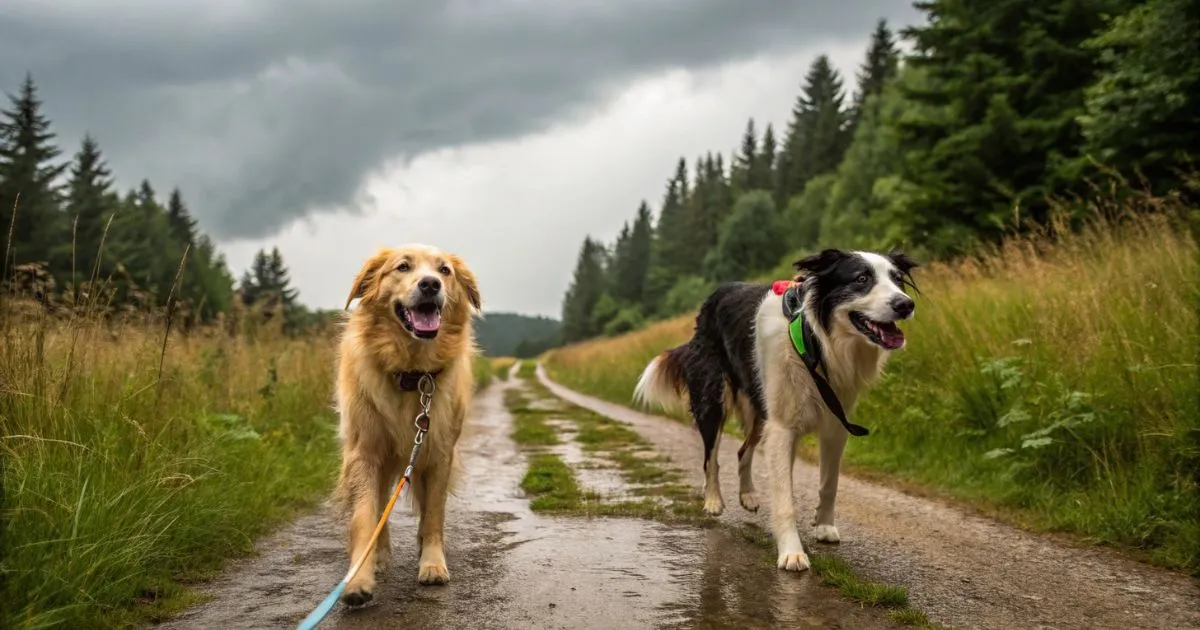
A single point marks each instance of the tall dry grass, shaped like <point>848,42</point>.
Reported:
<point>1054,378</point>
<point>120,482</point>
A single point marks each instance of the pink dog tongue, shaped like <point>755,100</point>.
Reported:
<point>892,336</point>
<point>426,322</point>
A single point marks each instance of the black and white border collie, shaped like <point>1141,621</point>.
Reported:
<point>741,359</point>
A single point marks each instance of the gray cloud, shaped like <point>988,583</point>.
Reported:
<point>266,112</point>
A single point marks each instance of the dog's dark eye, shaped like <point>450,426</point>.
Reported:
<point>861,279</point>
<point>444,270</point>
<point>403,267</point>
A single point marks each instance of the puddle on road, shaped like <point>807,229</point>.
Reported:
<point>513,568</point>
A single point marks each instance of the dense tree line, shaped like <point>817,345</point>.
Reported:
<point>1002,112</point>
<point>516,335</point>
<point>75,240</point>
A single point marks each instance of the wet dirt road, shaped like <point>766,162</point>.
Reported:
<point>961,570</point>
<point>512,568</point>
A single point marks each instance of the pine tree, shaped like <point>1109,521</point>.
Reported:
<point>215,288</point>
<point>183,226</point>
<point>142,246</point>
<point>280,281</point>
<point>1143,113</point>
<point>28,185</point>
<point>747,161</point>
<point>818,132</point>
<point>90,205</point>
<point>632,262</point>
<point>883,59</point>
<point>1007,82</point>
<point>671,256</point>
<point>762,175</point>
<point>620,253</point>
<point>585,291</point>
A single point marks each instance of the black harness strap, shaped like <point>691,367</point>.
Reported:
<point>809,348</point>
<point>410,381</point>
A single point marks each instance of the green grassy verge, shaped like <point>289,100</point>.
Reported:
<point>484,372</point>
<point>1051,383</point>
<point>553,488</point>
<point>121,488</point>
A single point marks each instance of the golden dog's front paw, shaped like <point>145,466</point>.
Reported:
<point>433,573</point>
<point>359,592</point>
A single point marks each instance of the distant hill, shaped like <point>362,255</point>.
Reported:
<point>513,334</point>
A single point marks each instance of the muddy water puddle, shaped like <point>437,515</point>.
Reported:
<point>513,568</point>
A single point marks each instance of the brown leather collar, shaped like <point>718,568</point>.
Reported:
<point>408,381</point>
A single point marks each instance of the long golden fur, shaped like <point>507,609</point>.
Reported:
<point>376,426</point>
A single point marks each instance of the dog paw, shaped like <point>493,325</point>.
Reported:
<point>749,501</point>
<point>432,574</point>
<point>827,534</point>
<point>358,595</point>
<point>713,506</point>
<point>797,561</point>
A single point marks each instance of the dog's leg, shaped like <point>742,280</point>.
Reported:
<point>431,488</point>
<point>780,447</point>
<point>383,547</point>
<point>361,478</point>
<point>752,424</point>
<point>708,409</point>
<point>833,444</point>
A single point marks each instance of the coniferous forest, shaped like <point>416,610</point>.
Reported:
<point>75,242</point>
<point>1002,115</point>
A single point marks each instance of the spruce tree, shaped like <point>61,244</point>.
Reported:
<point>587,286</point>
<point>762,175</point>
<point>1143,113</point>
<point>747,161</point>
<point>1007,81</point>
<point>142,245</point>
<point>90,205</point>
<point>671,256</point>
<point>632,262</point>
<point>883,59</point>
<point>28,183</point>
<point>818,132</point>
<point>183,226</point>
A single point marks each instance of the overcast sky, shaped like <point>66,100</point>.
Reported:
<point>503,130</point>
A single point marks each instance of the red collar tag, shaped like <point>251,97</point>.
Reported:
<point>779,287</point>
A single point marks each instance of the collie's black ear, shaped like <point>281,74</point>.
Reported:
<point>904,265</point>
<point>820,262</point>
<point>902,261</point>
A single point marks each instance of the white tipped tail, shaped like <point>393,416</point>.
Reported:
<point>655,386</point>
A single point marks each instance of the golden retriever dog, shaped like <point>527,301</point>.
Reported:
<point>413,318</point>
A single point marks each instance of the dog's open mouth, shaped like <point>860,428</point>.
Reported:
<point>423,320</point>
<point>884,334</point>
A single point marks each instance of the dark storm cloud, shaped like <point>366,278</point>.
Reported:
<point>266,111</point>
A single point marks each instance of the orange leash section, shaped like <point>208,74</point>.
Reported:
<point>426,387</point>
<point>387,511</point>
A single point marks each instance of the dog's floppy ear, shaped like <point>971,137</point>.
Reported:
<point>904,265</point>
<point>366,285</point>
<point>817,263</point>
<point>902,261</point>
<point>469,284</point>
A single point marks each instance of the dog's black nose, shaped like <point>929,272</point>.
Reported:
<point>430,285</point>
<point>903,305</point>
